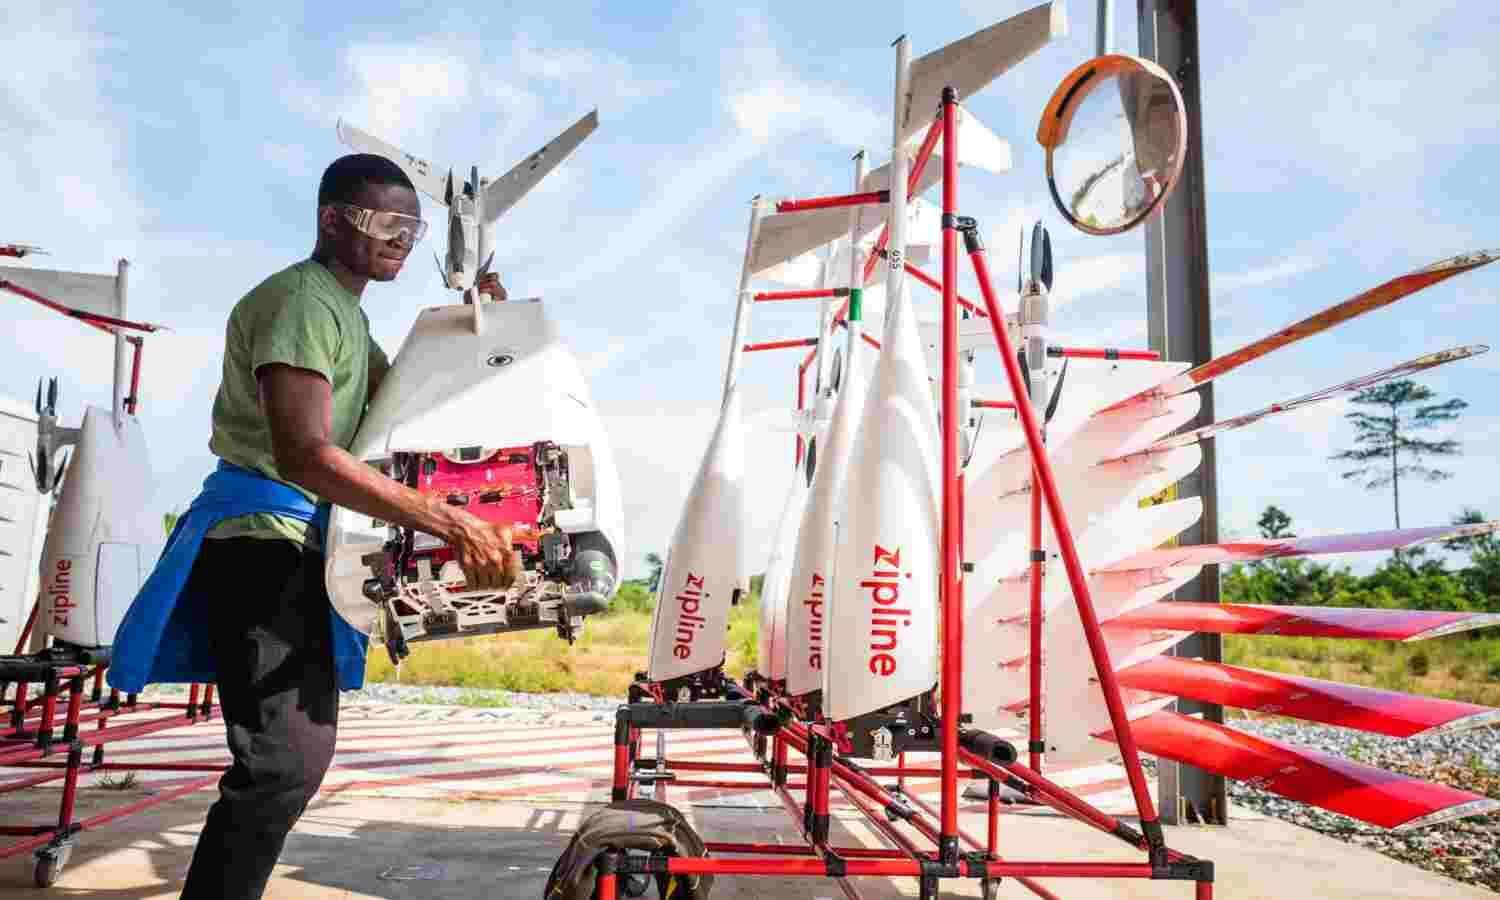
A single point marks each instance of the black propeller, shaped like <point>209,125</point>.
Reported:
<point>1020,257</point>
<point>1041,255</point>
<point>1056,393</point>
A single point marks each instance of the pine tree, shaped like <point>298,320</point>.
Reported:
<point>1482,576</point>
<point>1387,438</point>
<point>1274,523</point>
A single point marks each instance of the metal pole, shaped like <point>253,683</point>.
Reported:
<point>895,276</point>
<point>745,302</point>
<point>1177,283</point>
<point>951,541</point>
<point>118,408</point>
<point>854,309</point>
<point>1105,29</point>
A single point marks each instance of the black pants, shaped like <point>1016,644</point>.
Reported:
<point>271,640</point>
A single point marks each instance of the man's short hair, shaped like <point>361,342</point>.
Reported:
<point>346,175</point>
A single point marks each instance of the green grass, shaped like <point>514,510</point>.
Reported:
<point>1461,667</point>
<point>603,661</point>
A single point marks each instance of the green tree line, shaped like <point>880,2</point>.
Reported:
<point>1411,579</point>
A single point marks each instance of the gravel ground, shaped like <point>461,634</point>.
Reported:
<point>1467,850</point>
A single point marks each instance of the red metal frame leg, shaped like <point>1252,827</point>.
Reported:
<point>1038,572</point>
<point>620,784</point>
<point>607,885</point>
<point>18,712</point>
<point>952,613</point>
<point>70,788</point>
<point>820,777</point>
<point>49,711</point>
<point>992,811</point>
<point>75,708</point>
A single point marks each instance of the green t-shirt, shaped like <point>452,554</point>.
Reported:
<point>302,317</point>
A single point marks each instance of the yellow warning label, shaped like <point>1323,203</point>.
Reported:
<point>1165,495</point>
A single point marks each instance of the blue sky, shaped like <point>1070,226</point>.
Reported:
<point>1341,149</point>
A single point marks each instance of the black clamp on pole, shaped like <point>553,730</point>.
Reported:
<point>1156,843</point>
<point>1200,870</point>
<point>968,226</point>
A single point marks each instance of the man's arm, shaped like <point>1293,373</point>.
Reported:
<point>379,365</point>
<point>298,405</point>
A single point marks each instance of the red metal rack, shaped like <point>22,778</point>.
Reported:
<point>925,841</point>
<point>35,734</point>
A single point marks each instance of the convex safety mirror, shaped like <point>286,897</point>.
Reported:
<point>1115,132</point>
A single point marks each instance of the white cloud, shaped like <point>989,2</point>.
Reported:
<point>1124,334</point>
<point>1281,270</point>
<point>609,77</point>
<point>401,88</point>
<point>673,201</point>
<point>1097,274</point>
<point>63,161</point>
<point>769,100</point>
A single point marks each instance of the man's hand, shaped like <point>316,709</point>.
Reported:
<point>485,554</point>
<point>489,283</point>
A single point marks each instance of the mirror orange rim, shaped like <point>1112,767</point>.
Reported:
<point>1058,114</point>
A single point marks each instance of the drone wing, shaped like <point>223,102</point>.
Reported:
<point>503,193</point>
<point>423,174</point>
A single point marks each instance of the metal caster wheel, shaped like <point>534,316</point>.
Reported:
<point>49,864</point>
<point>989,888</point>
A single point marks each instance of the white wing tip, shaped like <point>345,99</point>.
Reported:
<point>1058,27</point>
<point>1458,626</point>
<point>1464,723</point>
<point>1482,806</point>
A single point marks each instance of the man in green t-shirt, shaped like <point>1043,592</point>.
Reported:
<point>299,368</point>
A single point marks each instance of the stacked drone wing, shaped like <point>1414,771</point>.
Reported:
<point>1123,452</point>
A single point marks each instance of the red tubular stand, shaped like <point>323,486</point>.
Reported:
<point>781,345</point>
<point>815,294</point>
<point>865,199</point>
<point>1103,353</point>
<point>98,320</point>
<point>32,740</point>
<point>931,836</point>
<point>951,689</point>
<point>1036,624</point>
<point>133,398</point>
<point>917,273</point>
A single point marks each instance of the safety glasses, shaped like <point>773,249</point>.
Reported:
<point>383,225</point>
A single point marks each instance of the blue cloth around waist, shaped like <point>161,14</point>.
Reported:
<point>164,637</point>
